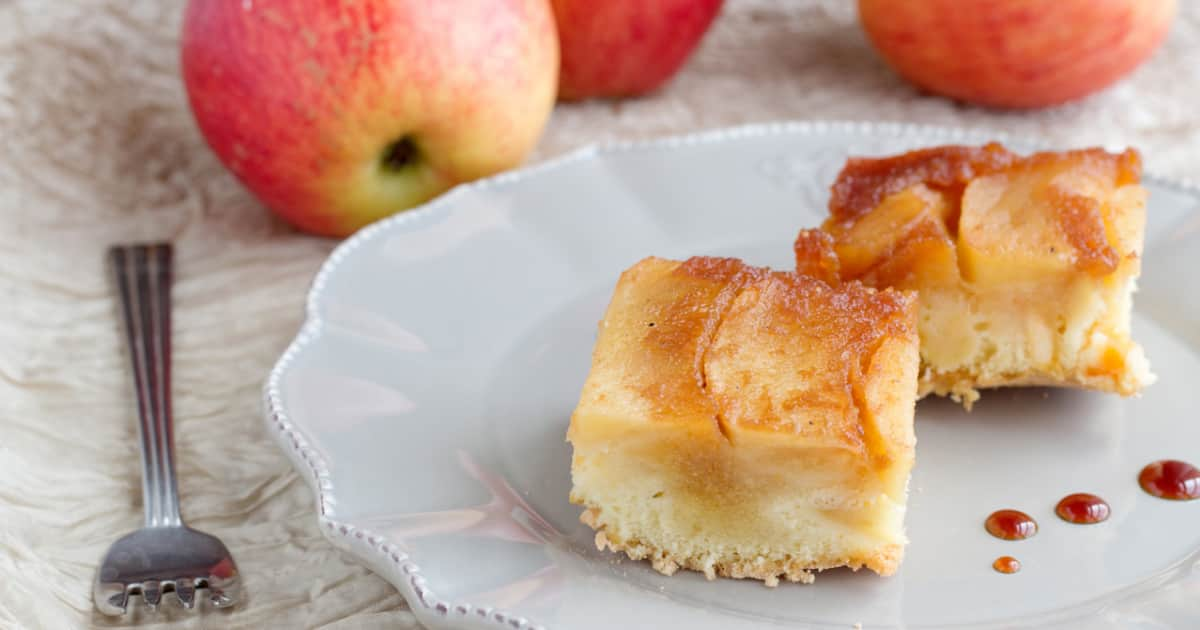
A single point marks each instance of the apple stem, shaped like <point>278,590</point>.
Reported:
<point>399,154</point>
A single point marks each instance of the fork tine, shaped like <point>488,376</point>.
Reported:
<point>119,601</point>
<point>152,593</point>
<point>218,598</point>
<point>186,591</point>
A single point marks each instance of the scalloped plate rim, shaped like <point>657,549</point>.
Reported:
<point>384,557</point>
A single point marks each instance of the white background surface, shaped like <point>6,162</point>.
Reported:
<point>96,146</point>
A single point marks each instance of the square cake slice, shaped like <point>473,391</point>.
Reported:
<point>748,423</point>
<point>1025,265</point>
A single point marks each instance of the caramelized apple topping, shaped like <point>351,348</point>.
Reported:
<point>994,214</point>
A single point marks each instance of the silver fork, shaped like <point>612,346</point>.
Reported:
<point>165,556</point>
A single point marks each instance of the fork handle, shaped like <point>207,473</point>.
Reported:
<point>143,276</point>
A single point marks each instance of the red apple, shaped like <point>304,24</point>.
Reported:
<point>626,47</point>
<point>1015,53</point>
<point>336,113</point>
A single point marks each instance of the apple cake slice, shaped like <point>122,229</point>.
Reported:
<point>1025,265</point>
<point>748,423</point>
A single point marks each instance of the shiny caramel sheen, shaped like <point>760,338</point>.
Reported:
<point>1006,564</point>
<point>815,257</point>
<point>1065,194</point>
<point>724,347</point>
<point>864,182</point>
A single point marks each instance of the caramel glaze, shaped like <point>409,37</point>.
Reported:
<point>847,323</point>
<point>816,257</point>
<point>859,317</point>
<point>864,182</point>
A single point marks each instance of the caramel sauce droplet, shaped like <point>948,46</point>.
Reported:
<point>1010,525</point>
<point>1007,564</point>
<point>1082,508</point>
<point>1171,479</point>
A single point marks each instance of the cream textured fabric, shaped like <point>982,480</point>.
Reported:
<point>97,146</point>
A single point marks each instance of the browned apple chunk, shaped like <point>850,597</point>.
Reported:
<point>1025,266</point>
<point>1047,218</point>
<point>875,235</point>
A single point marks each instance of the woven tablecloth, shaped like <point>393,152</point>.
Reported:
<point>97,146</point>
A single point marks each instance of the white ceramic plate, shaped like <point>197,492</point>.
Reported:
<point>428,395</point>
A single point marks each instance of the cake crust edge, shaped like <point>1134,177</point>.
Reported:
<point>770,571</point>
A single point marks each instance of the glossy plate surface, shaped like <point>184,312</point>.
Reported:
<point>428,394</point>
